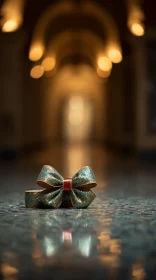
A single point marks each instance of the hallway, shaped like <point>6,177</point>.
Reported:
<point>78,88</point>
<point>113,239</point>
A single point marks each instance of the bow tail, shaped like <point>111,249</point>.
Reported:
<point>81,199</point>
<point>51,198</point>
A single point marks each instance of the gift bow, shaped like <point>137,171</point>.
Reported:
<point>57,189</point>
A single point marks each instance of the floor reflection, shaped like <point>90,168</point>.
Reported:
<point>109,249</point>
<point>62,239</point>
<point>9,268</point>
<point>138,271</point>
<point>82,236</point>
<point>77,236</point>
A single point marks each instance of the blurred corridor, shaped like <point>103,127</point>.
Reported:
<point>75,71</point>
<point>78,87</point>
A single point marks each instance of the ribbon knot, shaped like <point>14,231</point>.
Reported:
<point>75,191</point>
<point>67,184</point>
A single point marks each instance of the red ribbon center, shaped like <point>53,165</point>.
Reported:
<point>67,184</point>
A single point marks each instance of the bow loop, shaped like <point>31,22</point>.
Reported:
<point>84,178</point>
<point>51,198</point>
<point>81,199</point>
<point>49,177</point>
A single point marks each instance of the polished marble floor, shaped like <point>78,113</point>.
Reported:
<point>115,238</point>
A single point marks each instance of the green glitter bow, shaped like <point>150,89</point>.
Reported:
<point>79,195</point>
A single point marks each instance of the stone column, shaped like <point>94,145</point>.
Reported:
<point>11,105</point>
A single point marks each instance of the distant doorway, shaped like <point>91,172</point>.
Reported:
<point>78,119</point>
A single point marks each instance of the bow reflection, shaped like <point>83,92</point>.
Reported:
<point>59,234</point>
<point>72,236</point>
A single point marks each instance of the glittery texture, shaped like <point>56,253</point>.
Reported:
<point>31,200</point>
<point>81,199</point>
<point>80,196</point>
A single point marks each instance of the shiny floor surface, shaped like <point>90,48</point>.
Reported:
<point>115,238</point>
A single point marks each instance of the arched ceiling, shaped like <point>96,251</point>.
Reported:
<point>86,15</point>
<point>77,18</point>
<point>82,42</point>
<point>35,9</point>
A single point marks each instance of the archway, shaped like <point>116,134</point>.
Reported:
<point>110,33</point>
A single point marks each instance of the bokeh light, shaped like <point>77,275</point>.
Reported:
<point>115,55</point>
<point>37,72</point>
<point>36,52</point>
<point>48,63</point>
<point>136,17</point>
<point>137,29</point>
<point>104,63</point>
<point>103,74</point>
<point>11,15</point>
<point>10,25</point>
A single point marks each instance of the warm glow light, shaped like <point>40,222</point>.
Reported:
<point>115,55</point>
<point>75,118</point>
<point>76,110</point>
<point>37,71</point>
<point>11,15</point>
<point>138,271</point>
<point>8,270</point>
<point>137,29</point>
<point>103,74</point>
<point>10,25</point>
<point>136,17</point>
<point>76,102</point>
<point>36,53</point>
<point>104,63</point>
<point>48,63</point>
